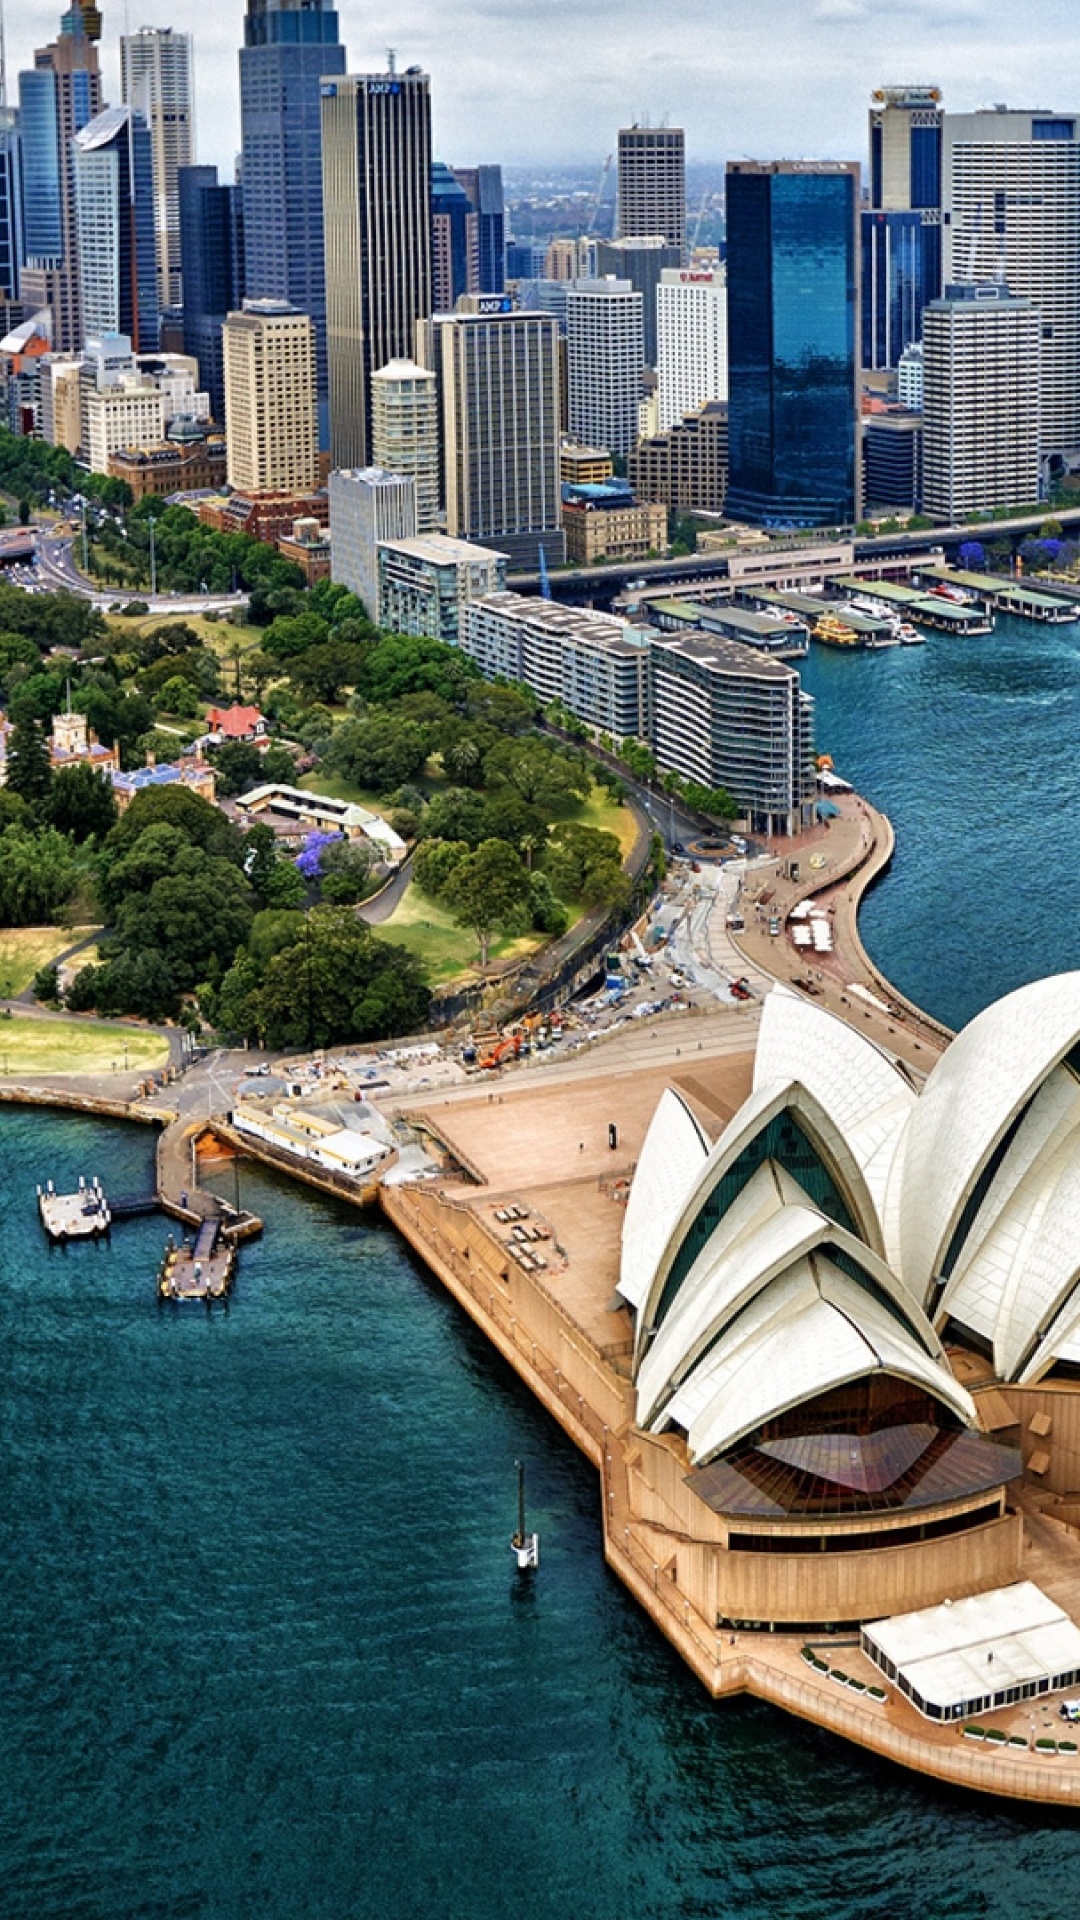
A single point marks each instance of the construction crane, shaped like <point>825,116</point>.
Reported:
<point>599,194</point>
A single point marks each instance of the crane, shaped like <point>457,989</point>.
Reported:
<point>599,194</point>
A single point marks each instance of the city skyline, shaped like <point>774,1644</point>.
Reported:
<point>595,71</point>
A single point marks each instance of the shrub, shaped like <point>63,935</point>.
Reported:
<point>835,1673</point>
<point>995,1735</point>
<point>876,1693</point>
<point>45,984</point>
<point>857,1686</point>
<point>1017,1740</point>
<point>1067,1746</point>
<point>1046,1746</point>
<point>974,1733</point>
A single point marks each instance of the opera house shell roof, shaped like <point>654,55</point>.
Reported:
<point>791,1282</point>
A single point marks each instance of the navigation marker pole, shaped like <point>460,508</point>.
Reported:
<point>526,1546</point>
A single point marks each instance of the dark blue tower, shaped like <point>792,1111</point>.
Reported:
<point>792,343</point>
<point>893,284</point>
<point>212,266</point>
<point>289,45</point>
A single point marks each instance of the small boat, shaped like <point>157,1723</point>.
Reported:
<point>945,592</point>
<point>910,636</point>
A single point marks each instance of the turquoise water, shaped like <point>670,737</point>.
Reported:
<point>264,1654</point>
<point>263,1651</point>
<point>973,749</point>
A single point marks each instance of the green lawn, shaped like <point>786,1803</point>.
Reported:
<point>611,817</point>
<point>24,949</point>
<point>70,1047</point>
<point>333,787</point>
<point>427,930</point>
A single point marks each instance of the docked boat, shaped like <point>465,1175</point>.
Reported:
<point>910,636</point>
<point>834,632</point>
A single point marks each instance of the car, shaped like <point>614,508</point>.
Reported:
<point>677,847</point>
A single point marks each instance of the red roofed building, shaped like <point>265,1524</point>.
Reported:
<point>237,723</point>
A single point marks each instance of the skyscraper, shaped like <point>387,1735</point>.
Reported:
<point>793,342</point>
<point>893,287</point>
<point>212,265</point>
<point>155,79</point>
<point>982,350</point>
<point>605,352</point>
<point>906,170</point>
<point>453,239</point>
<point>12,250</point>
<point>377,214</point>
<point>114,220</point>
<point>405,432</point>
<point>652,184</point>
<point>1012,190</point>
<point>641,259</point>
<point>499,398</point>
<point>289,46</point>
<point>484,187</point>
<point>57,96</point>
<point>691,322</point>
<point>270,419</point>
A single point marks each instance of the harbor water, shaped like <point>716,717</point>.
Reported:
<point>264,1649</point>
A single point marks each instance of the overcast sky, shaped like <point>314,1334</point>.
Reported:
<point>514,81</point>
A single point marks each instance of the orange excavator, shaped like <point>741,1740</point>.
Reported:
<point>506,1049</point>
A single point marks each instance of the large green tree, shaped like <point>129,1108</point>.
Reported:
<point>81,802</point>
<point>490,887</point>
<point>338,982</point>
<point>29,773</point>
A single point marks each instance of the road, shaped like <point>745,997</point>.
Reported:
<point>57,570</point>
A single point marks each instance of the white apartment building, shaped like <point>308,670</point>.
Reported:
<point>691,331</point>
<point>367,506</point>
<point>127,399</point>
<point>155,79</point>
<point>1011,190</point>
<point>982,352</point>
<point>909,377</point>
<point>405,432</point>
<point>605,347</point>
<point>271,428</point>
<point>596,664</point>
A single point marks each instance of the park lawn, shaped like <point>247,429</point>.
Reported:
<point>222,636</point>
<point>24,949</point>
<point>610,816</point>
<point>333,787</point>
<point>69,1047</point>
<point>427,930</point>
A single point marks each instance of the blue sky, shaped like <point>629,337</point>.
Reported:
<point>517,81</point>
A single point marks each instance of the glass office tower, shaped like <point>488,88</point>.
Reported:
<point>212,262</point>
<point>289,45</point>
<point>893,285</point>
<point>792,343</point>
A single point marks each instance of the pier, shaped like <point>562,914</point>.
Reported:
<point>1008,596</point>
<point>74,1216</point>
<point>924,609</point>
<point>872,630</point>
<point>201,1269</point>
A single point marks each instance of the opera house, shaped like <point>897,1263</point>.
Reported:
<point>804,1286</point>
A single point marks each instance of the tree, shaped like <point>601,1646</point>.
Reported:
<point>488,885</point>
<point>290,636</point>
<point>381,753</point>
<point>338,982</point>
<point>346,873</point>
<point>38,874</point>
<point>198,913</point>
<point>81,802</point>
<point>435,863</point>
<point>239,767</point>
<point>584,863</point>
<point>324,671</point>
<point>29,770</point>
<point>455,815</point>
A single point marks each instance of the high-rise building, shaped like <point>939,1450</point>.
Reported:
<point>155,79</point>
<point>1012,189</point>
<point>114,220</point>
<point>453,239</point>
<point>484,186</point>
<point>691,327</point>
<point>289,47</point>
<point>367,507</point>
<point>605,345</point>
<point>405,432</point>
<point>377,211</point>
<point>498,395</point>
<point>12,251</point>
<point>57,97</point>
<point>594,663</point>
<point>726,715</point>
<point>909,378</point>
<point>212,264</point>
<point>686,467</point>
<point>793,342</point>
<point>906,170</point>
<point>982,353</point>
<point>270,408</point>
<point>652,184</point>
<point>893,288</point>
<point>643,260</point>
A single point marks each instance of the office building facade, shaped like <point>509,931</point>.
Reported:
<point>12,247</point>
<point>728,716</point>
<point>643,261</point>
<point>289,47</point>
<point>484,186</point>
<point>498,395</point>
<point>155,79</point>
<point>652,184</point>
<point>892,461</point>
<point>983,353</point>
<point>906,171</point>
<point>58,96</point>
<point>377,215</point>
<point>212,264</point>
<point>893,288</point>
<point>691,325</point>
<point>426,583</point>
<point>687,467</point>
<point>405,432</point>
<point>454,265</point>
<point>114,220</point>
<point>605,352</point>
<point>594,663</point>
<point>367,507</point>
<point>1012,189</point>
<point>271,425</point>
<point>793,343</point>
